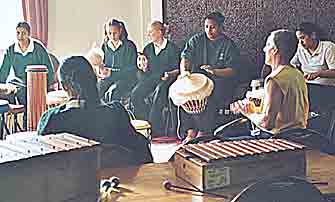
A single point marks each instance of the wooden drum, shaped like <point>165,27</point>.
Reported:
<point>36,94</point>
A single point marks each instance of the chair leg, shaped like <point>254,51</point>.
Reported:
<point>1,127</point>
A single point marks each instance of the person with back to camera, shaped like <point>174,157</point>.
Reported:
<point>85,115</point>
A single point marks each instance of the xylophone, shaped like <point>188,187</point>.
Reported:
<point>52,168</point>
<point>214,165</point>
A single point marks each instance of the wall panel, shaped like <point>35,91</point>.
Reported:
<point>248,22</point>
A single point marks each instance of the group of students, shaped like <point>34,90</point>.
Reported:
<point>88,79</point>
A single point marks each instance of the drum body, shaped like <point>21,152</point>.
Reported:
<point>195,106</point>
<point>191,92</point>
<point>36,94</point>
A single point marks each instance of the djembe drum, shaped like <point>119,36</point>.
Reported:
<point>56,98</point>
<point>191,92</point>
<point>36,94</point>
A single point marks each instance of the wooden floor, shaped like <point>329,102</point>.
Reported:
<point>144,183</point>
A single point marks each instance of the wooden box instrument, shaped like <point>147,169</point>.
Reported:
<point>52,168</point>
<point>215,165</point>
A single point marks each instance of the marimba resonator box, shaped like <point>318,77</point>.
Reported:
<point>215,165</point>
<point>52,168</point>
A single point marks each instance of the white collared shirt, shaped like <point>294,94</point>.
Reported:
<point>111,45</point>
<point>323,57</point>
<point>30,48</point>
<point>158,48</point>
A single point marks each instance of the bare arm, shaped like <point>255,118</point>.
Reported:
<point>275,96</point>
<point>219,71</point>
<point>184,65</point>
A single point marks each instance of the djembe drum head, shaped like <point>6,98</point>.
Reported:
<point>191,91</point>
<point>280,189</point>
<point>55,98</point>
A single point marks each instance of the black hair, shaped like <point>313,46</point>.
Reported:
<point>24,25</point>
<point>120,25</point>
<point>77,73</point>
<point>217,17</point>
<point>286,42</point>
<point>309,28</point>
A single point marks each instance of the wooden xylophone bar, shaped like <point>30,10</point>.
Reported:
<point>232,149</point>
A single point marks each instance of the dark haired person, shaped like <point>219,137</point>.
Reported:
<point>286,103</point>
<point>120,56</point>
<point>26,51</point>
<point>86,116</point>
<point>315,57</point>
<point>162,57</point>
<point>212,53</point>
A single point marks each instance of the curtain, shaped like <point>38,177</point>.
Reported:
<point>36,13</point>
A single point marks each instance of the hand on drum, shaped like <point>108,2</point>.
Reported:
<point>207,68</point>
<point>243,106</point>
<point>8,88</point>
<point>166,76</point>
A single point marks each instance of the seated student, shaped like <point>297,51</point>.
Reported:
<point>315,57</point>
<point>86,116</point>
<point>162,56</point>
<point>96,56</point>
<point>214,54</point>
<point>26,51</point>
<point>120,55</point>
<point>286,97</point>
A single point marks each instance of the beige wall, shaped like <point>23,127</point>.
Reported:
<point>74,25</point>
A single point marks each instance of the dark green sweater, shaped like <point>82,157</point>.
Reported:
<point>109,124</point>
<point>199,50</point>
<point>123,59</point>
<point>166,60</point>
<point>39,56</point>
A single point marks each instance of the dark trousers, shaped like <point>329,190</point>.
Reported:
<point>160,101</point>
<point>140,97</point>
<point>124,83</point>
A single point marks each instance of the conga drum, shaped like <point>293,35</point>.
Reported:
<point>36,94</point>
<point>191,92</point>
<point>56,98</point>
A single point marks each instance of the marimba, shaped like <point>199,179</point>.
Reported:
<point>215,165</point>
<point>53,168</point>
